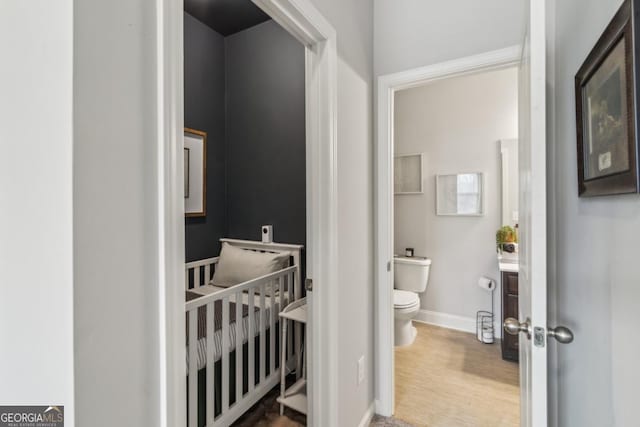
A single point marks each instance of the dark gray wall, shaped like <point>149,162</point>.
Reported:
<point>204,94</point>
<point>265,134</point>
<point>256,142</point>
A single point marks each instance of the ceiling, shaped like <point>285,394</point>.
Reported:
<point>226,17</point>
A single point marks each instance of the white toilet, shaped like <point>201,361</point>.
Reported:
<point>410,279</point>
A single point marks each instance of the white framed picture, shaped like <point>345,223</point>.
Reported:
<point>407,174</point>
<point>460,194</point>
<point>195,173</point>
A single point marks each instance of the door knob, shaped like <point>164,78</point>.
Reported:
<point>561,334</point>
<point>514,327</point>
<point>308,285</point>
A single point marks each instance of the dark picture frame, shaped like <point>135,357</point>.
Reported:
<point>606,112</point>
<point>186,172</point>
<point>195,151</point>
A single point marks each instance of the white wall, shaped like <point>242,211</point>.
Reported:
<point>457,123</point>
<point>414,33</point>
<point>117,324</point>
<point>116,287</point>
<point>353,21</point>
<point>597,292</point>
<point>36,294</point>
<point>115,291</point>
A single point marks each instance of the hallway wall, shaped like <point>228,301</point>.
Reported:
<point>36,204</point>
<point>596,290</point>
<point>353,21</point>
<point>116,233</point>
<point>417,33</point>
<point>414,33</point>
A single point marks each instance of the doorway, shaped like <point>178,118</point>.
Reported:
<point>388,89</point>
<point>306,24</point>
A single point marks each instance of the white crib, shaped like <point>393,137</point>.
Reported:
<point>219,329</point>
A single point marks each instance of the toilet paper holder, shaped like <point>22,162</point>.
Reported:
<point>485,332</point>
<point>485,329</point>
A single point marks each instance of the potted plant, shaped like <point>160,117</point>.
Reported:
<point>505,234</point>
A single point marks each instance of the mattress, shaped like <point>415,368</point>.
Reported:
<point>217,335</point>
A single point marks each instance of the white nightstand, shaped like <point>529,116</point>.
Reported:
<point>294,397</point>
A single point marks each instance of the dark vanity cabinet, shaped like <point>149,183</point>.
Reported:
<point>510,345</point>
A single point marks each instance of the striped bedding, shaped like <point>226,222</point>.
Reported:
<point>217,336</point>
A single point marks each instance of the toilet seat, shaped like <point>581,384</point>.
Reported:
<point>405,299</point>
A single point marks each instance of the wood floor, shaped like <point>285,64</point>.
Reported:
<point>449,379</point>
<point>266,413</point>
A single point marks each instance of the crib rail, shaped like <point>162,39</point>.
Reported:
<point>269,294</point>
<point>199,273</point>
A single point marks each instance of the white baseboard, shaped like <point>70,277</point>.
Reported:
<point>366,418</point>
<point>453,321</point>
<point>378,408</point>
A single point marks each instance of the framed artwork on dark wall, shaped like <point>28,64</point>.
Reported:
<point>606,111</point>
<point>186,172</point>
<point>195,173</point>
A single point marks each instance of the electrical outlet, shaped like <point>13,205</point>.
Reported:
<point>360,369</point>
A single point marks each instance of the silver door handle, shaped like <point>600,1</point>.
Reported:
<point>562,334</point>
<point>308,285</point>
<point>514,326</point>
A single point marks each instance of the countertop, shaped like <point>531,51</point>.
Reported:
<point>508,262</point>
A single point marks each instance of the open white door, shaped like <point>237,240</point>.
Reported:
<point>532,278</point>
<point>532,324</point>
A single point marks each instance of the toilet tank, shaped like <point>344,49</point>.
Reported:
<point>411,274</point>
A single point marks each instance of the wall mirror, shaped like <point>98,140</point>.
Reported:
<point>459,194</point>
<point>510,181</point>
<point>407,176</point>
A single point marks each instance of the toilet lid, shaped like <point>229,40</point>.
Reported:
<point>404,298</point>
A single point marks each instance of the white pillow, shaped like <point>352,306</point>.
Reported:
<point>238,265</point>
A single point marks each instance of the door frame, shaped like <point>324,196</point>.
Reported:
<point>306,24</point>
<point>386,88</point>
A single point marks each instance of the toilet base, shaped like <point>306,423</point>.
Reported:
<point>405,332</point>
